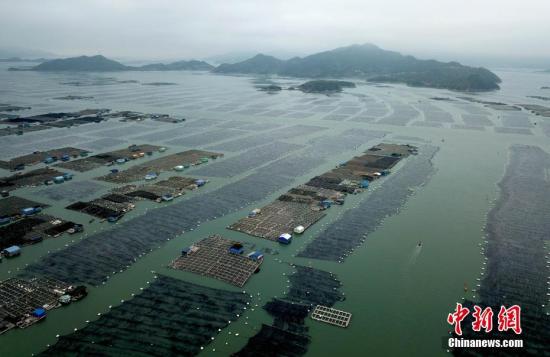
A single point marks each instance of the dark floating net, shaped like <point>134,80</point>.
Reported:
<point>170,318</point>
<point>518,228</point>
<point>348,232</point>
<point>94,259</point>
<point>289,335</point>
<point>247,160</point>
<point>273,341</point>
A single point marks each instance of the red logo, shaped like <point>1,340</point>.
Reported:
<point>483,319</point>
<point>508,318</point>
<point>456,318</point>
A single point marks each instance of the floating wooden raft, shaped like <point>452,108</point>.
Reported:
<point>331,316</point>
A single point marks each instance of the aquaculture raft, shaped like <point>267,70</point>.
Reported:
<point>137,172</point>
<point>95,161</point>
<point>302,206</point>
<point>331,316</point>
<point>276,218</point>
<point>20,298</point>
<point>40,156</point>
<point>214,257</point>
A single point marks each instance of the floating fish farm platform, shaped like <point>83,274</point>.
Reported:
<point>350,230</point>
<point>218,258</point>
<point>302,206</point>
<point>25,302</point>
<point>277,218</point>
<point>12,206</point>
<point>34,229</point>
<point>121,200</point>
<point>95,161</point>
<point>37,157</point>
<point>138,172</point>
<point>29,179</point>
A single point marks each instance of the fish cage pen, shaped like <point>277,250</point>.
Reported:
<point>331,316</point>
<point>12,206</point>
<point>350,230</point>
<point>29,179</point>
<point>94,259</point>
<point>302,206</point>
<point>98,160</point>
<point>277,218</point>
<point>214,257</point>
<point>30,230</point>
<point>64,153</point>
<point>20,298</point>
<point>138,172</point>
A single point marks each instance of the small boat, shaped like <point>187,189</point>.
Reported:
<point>419,244</point>
<point>465,287</point>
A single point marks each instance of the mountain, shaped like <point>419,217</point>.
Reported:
<point>102,64</point>
<point>259,64</point>
<point>192,65</point>
<point>374,64</point>
<point>83,63</point>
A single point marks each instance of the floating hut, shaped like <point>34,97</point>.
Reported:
<point>151,176</point>
<point>31,210</point>
<point>285,238</point>
<point>39,313</point>
<point>59,179</point>
<point>299,229</point>
<point>256,256</point>
<point>12,251</point>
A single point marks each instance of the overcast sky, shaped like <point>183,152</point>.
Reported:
<point>163,29</point>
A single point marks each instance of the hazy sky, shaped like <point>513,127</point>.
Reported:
<point>157,29</point>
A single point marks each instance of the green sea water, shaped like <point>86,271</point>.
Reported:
<point>399,294</point>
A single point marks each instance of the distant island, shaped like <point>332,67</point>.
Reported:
<point>192,65</point>
<point>102,64</point>
<point>374,64</point>
<point>325,86</point>
<point>270,88</point>
<point>358,61</point>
